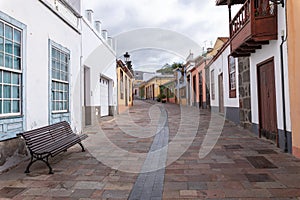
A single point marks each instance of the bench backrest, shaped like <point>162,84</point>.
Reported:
<point>48,134</point>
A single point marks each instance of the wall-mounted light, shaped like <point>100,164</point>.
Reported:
<point>126,57</point>
<point>277,2</point>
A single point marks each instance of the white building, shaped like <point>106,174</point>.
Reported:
<point>258,40</point>
<point>221,98</point>
<point>45,48</point>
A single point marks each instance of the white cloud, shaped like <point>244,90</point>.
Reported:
<point>201,21</point>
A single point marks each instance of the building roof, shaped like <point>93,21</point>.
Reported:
<point>124,68</point>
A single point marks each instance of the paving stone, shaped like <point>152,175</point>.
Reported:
<point>82,193</point>
<point>10,192</point>
<point>89,185</point>
<point>260,162</point>
<point>225,173</point>
<point>197,186</point>
<point>188,193</point>
<point>115,194</point>
<point>259,178</point>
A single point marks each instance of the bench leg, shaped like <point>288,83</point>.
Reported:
<point>28,166</point>
<point>47,163</point>
<point>83,150</point>
<point>41,159</point>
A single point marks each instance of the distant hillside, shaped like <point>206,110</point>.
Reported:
<point>168,69</point>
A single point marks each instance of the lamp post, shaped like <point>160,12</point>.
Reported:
<point>127,60</point>
<point>129,66</point>
<point>126,57</point>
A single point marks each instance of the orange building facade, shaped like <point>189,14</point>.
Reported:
<point>293,39</point>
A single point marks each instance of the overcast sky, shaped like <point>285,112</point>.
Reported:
<point>198,20</point>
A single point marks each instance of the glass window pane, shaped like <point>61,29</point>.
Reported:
<point>66,88</point>
<point>65,96</point>
<point>65,106</point>
<point>1,44</point>
<point>6,106</point>
<point>53,73</point>
<point>58,55</point>
<point>53,105</point>
<point>60,105</point>
<point>17,63</point>
<point>1,29</point>
<point>6,77</point>
<point>17,36</point>
<point>0,76</point>
<point>17,49</point>
<point>8,46</point>
<point>60,96</point>
<point>56,105</point>
<point>54,52</point>
<point>8,32</point>
<point>56,95</point>
<point>16,107</point>
<point>6,91</point>
<point>8,61</point>
<point>53,95</point>
<point>53,64</point>
<point>61,87</point>
<point>1,59</point>
<point>0,91</point>
<point>15,92</point>
<point>63,57</point>
<point>1,107</point>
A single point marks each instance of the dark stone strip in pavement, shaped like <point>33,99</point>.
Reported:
<point>149,184</point>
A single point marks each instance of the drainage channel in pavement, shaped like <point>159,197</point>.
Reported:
<point>149,184</point>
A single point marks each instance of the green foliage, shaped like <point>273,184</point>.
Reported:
<point>168,69</point>
<point>160,97</point>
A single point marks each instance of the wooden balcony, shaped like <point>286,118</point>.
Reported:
<point>254,25</point>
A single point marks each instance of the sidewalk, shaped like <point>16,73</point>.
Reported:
<point>239,166</point>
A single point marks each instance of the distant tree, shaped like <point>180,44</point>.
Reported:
<point>168,69</point>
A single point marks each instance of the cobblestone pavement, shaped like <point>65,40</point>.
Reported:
<point>239,166</point>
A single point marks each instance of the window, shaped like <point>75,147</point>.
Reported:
<point>60,80</point>
<point>121,85</point>
<point>10,70</point>
<point>232,77</point>
<point>212,78</point>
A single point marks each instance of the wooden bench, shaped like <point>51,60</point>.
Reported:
<point>50,141</point>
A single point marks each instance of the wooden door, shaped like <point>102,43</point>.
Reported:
<point>267,101</point>
<point>200,90</point>
<point>194,91</point>
<point>221,94</point>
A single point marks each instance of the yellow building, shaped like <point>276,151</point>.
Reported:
<point>293,39</point>
<point>150,89</point>
<point>125,84</point>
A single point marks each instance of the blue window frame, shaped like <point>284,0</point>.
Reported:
<point>10,69</point>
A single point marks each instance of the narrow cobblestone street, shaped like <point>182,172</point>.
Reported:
<point>158,151</point>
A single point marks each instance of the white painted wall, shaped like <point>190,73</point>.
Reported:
<point>87,48</point>
<point>43,25</point>
<point>268,51</point>
<point>220,65</point>
<point>101,59</point>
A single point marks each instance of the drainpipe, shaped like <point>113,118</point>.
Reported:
<point>283,40</point>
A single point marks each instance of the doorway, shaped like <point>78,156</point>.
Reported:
<point>221,94</point>
<point>87,97</point>
<point>267,100</point>
<point>200,90</point>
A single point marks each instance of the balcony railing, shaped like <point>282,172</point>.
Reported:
<point>241,18</point>
<point>254,25</point>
